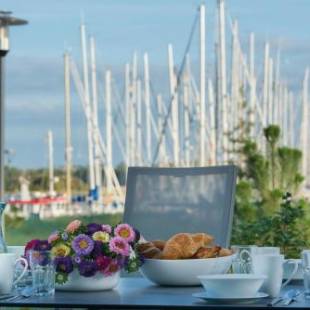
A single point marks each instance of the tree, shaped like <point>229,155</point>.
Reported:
<point>263,180</point>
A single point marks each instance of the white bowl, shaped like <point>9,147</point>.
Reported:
<point>98,282</point>
<point>183,272</point>
<point>232,285</point>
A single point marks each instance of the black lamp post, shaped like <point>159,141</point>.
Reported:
<point>6,20</point>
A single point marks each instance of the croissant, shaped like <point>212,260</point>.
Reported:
<point>208,252</point>
<point>225,252</point>
<point>159,244</point>
<point>202,239</point>
<point>149,250</point>
<point>184,245</point>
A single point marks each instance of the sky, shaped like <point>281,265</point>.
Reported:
<point>34,66</point>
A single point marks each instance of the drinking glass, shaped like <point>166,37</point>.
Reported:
<point>43,273</point>
<point>305,256</point>
<point>242,262</point>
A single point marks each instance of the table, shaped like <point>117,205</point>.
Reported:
<point>139,293</point>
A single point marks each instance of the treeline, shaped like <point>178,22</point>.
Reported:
<point>38,178</point>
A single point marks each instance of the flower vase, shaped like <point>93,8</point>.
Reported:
<point>3,247</point>
<point>98,282</point>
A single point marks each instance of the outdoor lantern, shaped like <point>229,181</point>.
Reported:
<point>6,20</point>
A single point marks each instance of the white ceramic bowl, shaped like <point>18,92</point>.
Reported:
<point>232,285</point>
<point>183,272</point>
<point>96,283</point>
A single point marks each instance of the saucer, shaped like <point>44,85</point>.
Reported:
<point>207,297</point>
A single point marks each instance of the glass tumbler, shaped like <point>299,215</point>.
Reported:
<point>242,262</point>
<point>43,273</point>
<point>305,256</point>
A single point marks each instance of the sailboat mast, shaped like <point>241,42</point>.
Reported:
<point>50,164</point>
<point>222,79</point>
<point>174,109</point>
<point>98,180</point>
<point>147,101</point>
<point>202,135</point>
<point>91,174</point>
<point>108,110</point>
<point>68,147</point>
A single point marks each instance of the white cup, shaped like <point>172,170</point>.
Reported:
<point>8,262</point>
<point>267,250</point>
<point>272,267</point>
<point>16,249</point>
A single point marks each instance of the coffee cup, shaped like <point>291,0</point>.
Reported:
<point>16,249</point>
<point>8,263</point>
<point>271,265</point>
<point>266,250</point>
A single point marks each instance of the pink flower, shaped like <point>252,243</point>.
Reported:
<point>106,228</point>
<point>119,246</point>
<point>73,226</point>
<point>125,231</point>
<point>53,237</point>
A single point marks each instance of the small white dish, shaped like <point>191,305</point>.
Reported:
<point>231,285</point>
<point>235,299</point>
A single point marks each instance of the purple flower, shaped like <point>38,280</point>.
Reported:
<point>43,246</point>
<point>77,259</point>
<point>87,268</point>
<point>82,244</point>
<point>37,257</point>
<point>98,249</point>
<point>92,228</point>
<point>63,264</point>
<point>106,228</point>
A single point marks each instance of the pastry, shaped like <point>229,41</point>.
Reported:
<point>206,252</point>
<point>225,252</point>
<point>159,244</point>
<point>202,239</point>
<point>180,246</point>
<point>149,250</point>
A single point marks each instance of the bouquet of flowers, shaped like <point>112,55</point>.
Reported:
<point>90,249</point>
